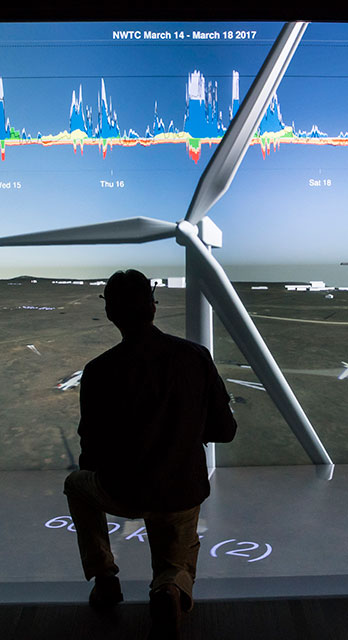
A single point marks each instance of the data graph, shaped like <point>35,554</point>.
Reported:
<point>95,129</point>
<point>203,123</point>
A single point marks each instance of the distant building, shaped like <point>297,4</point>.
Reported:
<point>158,282</point>
<point>317,285</point>
<point>67,281</point>
<point>61,281</point>
<point>297,287</point>
<point>258,287</point>
<point>175,283</point>
<point>314,285</point>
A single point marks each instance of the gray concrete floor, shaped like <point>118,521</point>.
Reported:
<point>265,532</point>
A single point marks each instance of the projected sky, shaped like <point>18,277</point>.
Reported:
<point>103,121</point>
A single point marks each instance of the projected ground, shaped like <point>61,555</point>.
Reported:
<point>49,331</point>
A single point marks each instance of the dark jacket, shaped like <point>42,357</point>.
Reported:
<point>147,405</point>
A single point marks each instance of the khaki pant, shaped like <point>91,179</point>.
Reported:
<point>172,536</point>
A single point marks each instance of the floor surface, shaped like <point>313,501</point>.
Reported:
<point>266,532</point>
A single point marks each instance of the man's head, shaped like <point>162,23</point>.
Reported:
<point>129,301</point>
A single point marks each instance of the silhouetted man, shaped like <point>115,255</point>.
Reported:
<point>147,406</point>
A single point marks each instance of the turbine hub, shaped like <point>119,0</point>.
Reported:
<point>184,229</point>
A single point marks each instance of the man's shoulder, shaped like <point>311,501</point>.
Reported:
<point>186,348</point>
<point>185,345</point>
<point>104,358</point>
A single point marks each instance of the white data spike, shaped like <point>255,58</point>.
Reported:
<point>103,95</point>
<point>235,86</point>
<point>196,86</point>
<point>73,102</point>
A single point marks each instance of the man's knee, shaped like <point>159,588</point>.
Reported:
<point>70,482</point>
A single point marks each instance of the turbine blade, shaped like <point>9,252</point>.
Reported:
<point>250,385</point>
<point>219,291</point>
<point>343,374</point>
<point>129,230</point>
<point>223,165</point>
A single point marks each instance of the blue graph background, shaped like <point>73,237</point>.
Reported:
<point>272,215</point>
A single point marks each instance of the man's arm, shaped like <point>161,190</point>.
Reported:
<point>220,424</point>
<point>87,425</point>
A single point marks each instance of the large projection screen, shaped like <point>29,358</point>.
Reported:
<point>101,121</point>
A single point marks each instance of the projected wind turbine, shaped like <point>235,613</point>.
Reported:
<point>206,279</point>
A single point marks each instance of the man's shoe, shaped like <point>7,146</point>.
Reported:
<point>165,611</point>
<point>105,593</point>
